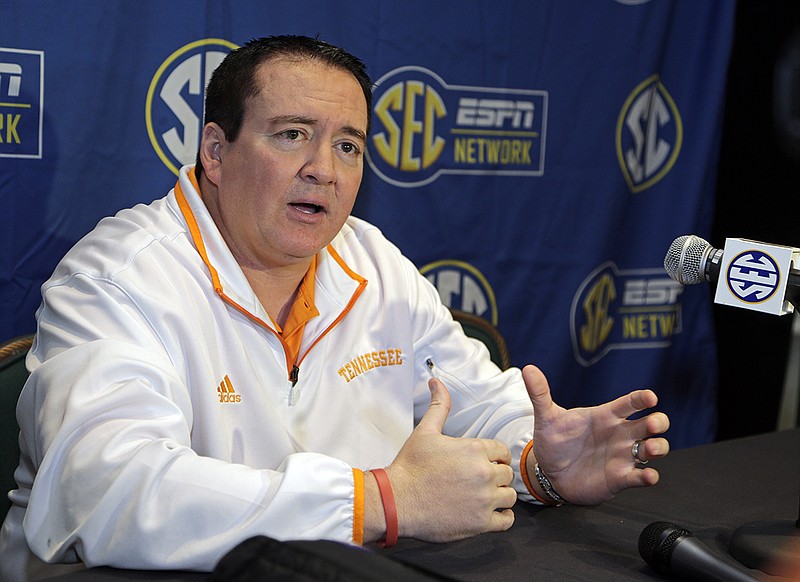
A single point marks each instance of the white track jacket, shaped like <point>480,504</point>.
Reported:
<point>160,426</point>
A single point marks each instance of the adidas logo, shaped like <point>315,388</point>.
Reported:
<point>226,392</point>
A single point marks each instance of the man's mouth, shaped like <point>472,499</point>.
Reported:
<point>306,207</point>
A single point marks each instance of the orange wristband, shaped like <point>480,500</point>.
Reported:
<point>523,470</point>
<point>389,508</point>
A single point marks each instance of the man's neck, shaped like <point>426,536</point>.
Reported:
<point>276,287</point>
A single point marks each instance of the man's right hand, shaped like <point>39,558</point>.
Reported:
<point>445,488</point>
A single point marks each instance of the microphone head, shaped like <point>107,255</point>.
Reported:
<point>656,543</point>
<point>686,259</point>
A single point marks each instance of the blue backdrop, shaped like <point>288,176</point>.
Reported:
<point>534,158</point>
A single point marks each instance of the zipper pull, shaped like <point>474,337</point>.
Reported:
<point>294,393</point>
<point>431,366</point>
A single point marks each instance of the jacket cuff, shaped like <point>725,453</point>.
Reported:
<point>358,506</point>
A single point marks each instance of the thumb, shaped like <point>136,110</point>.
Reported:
<point>538,391</point>
<point>434,418</point>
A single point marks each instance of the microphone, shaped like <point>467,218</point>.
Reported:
<point>756,275</point>
<point>691,260</point>
<point>674,551</point>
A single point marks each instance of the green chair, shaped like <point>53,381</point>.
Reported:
<point>12,377</point>
<point>481,329</point>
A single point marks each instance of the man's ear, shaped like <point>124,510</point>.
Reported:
<point>211,146</point>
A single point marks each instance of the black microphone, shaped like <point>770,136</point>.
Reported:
<point>691,260</point>
<point>673,551</point>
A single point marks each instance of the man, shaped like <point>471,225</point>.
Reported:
<point>242,357</point>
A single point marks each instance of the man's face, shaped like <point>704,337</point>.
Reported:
<point>289,181</point>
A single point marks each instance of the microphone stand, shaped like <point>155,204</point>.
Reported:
<point>771,546</point>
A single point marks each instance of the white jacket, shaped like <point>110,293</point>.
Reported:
<point>160,426</point>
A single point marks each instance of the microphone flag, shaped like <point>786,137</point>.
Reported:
<point>753,275</point>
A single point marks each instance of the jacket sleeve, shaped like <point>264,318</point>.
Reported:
<point>107,423</point>
<point>485,401</point>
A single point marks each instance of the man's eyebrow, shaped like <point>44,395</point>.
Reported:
<point>281,119</point>
<point>302,120</point>
<point>355,132</point>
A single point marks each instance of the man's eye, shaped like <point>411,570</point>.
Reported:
<point>349,148</point>
<point>291,134</point>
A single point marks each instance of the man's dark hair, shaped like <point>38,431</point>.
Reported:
<point>234,80</point>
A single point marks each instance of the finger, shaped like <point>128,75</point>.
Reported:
<point>653,448</point>
<point>501,520</point>
<point>503,475</point>
<point>643,399</point>
<point>538,390</point>
<point>506,497</point>
<point>656,423</point>
<point>436,415</point>
<point>633,402</point>
<point>497,452</point>
<point>642,477</point>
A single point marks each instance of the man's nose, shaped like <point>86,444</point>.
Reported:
<point>320,165</point>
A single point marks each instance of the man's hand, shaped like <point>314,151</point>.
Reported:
<point>587,452</point>
<point>450,488</point>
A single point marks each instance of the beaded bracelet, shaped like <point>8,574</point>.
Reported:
<point>546,486</point>
<point>389,508</point>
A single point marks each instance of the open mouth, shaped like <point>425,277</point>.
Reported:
<point>306,207</point>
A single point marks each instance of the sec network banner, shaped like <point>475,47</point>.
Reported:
<point>535,159</point>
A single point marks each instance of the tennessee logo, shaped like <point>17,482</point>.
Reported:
<point>363,363</point>
<point>226,392</point>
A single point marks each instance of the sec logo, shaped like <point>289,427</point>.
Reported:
<point>174,107</point>
<point>753,276</point>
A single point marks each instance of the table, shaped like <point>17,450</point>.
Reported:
<point>710,490</point>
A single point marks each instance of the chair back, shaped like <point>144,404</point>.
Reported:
<point>13,375</point>
<point>481,329</point>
